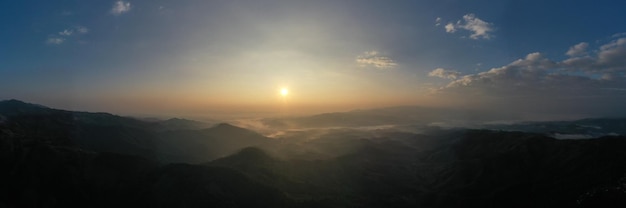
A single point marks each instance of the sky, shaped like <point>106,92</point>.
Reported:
<point>207,57</point>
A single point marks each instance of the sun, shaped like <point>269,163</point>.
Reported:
<point>284,92</point>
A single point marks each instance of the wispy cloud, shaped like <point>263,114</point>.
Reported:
<point>66,32</point>
<point>526,72</point>
<point>444,73</point>
<point>438,21</point>
<point>617,35</point>
<point>62,36</point>
<point>120,7</point>
<point>578,49</point>
<point>77,30</point>
<point>479,28</point>
<point>82,30</point>
<point>55,41</point>
<point>375,59</point>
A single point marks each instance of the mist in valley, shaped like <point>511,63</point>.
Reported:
<point>57,157</point>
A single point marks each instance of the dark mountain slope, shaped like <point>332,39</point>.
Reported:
<point>100,132</point>
<point>174,140</point>
<point>40,174</point>
<point>47,165</point>
<point>180,123</point>
<point>16,107</point>
<point>181,185</point>
<point>478,168</point>
<point>197,146</point>
<point>591,127</point>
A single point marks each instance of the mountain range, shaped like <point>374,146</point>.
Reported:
<point>58,158</point>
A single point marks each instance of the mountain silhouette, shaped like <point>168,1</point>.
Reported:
<point>57,158</point>
<point>174,140</point>
<point>469,168</point>
<point>180,123</point>
<point>197,146</point>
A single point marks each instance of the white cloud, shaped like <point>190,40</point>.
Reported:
<point>478,27</point>
<point>613,55</point>
<point>617,35</point>
<point>588,75</point>
<point>66,32</point>
<point>613,44</point>
<point>592,84</point>
<point>120,7</point>
<point>450,28</point>
<point>78,30</point>
<point>520,73</point>
<point>55,41</point>
<point>375,59</point>
<point>609,58</point>
<point>443,73</point>
<point>578,49</point>
<point>61,37</point>
<point>438,21</point>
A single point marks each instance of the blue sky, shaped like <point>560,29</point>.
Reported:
<point>205,56</point>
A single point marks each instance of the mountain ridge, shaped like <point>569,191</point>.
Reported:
<point>56,160</point>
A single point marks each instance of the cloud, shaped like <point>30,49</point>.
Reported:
<point>443,73</point>
<point>78,30</point>
<point>478,27</point>
<point>588,75</point>
<point>450,28</point>
<point>66,32</point>
<point>526,72</point>
<point>376,60</point>
<point>55,41</point>
<point>578,49</point>
<point>120,7</point>
<point>592,84</point>
<point>612,56</point>
<point>82,30</point>
<point>608,59</point>
<point>438,21</point>
<point>617,35</point>
<point>61,37</point>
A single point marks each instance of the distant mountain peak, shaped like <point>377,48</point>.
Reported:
<point>226,126</point>
<point>14,106</point>
<point>181,121</point>
<point>178,119</point>
<point>248,156</point>
<point>14,102</point>
<point>253,152</point>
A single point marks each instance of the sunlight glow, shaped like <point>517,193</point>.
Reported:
<point>284,92</point>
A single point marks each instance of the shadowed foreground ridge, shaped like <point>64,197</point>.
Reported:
<point>49,162</point>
